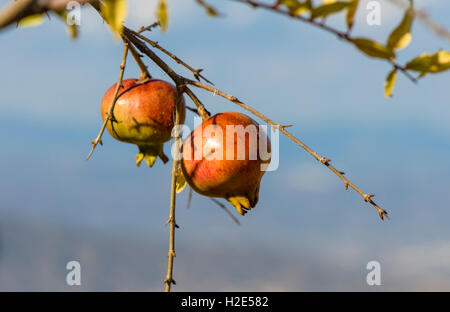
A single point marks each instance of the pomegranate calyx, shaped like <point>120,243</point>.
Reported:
<point>150,153</point>
<point>241,203</point>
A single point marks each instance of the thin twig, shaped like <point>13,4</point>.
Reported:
<point>143,68</point>
<point>171,221</point>
<point>189,200</point>
<point>149,27</point>
<point>226,210</point>
<point>155,44</point>
<point>341,35</point>
<point>201,110</point>
<point>109,114</point>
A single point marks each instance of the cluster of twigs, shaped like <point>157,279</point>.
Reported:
<point>135,40</point>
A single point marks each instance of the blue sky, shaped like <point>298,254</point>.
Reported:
<point>307,232</point>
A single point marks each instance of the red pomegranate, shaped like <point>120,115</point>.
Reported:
<point>222,158</point>
<point>143,115</point>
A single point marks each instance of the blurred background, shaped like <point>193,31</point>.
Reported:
<point>306,233</point>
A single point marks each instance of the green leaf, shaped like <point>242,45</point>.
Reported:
<point>351,11</point>
<point>390,83</point>
<point>401,35</point>
<point>114,12</point>
<point>330,8</point>
<point>180,181</point>
<point>31,21</point>
<point>372,48</point>
<point>162,15</point>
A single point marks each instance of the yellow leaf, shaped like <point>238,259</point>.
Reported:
<point>351,11</point>
<point>443,57</point>
<point>180,182</point>
<point>428,63</point>
<point>327,9</point>
<point>373,48</point>
<point>210,10</point>
<point>390,83</point>
<point>31,21</point>
<point>114,12</point>
<point>420,63</point>
<point>72,30</point>
<point>440,62</point>
<point>296,7</point>
<point>401,35</point>
<point>163,15</point>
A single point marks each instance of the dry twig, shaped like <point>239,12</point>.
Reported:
<point>171,221</point>
<point>341,35</point>
<point>109,115</point>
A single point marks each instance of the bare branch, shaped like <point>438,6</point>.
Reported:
<point>143,68</point>
<point>201,110</point>
<point>18,9</point>
<point>171,221</point>
<point>149,27</point>
<point>109,114</point>
<point>341,35</point>
<point>228,212</point>
<point>155,44</point>
<point>325,161</point>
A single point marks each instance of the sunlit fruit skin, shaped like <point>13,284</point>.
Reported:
<point>143,115</point>
<point>236,180</point>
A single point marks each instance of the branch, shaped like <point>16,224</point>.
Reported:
<point>18,9</point>
<point>201,110</point>
<point>155,44</point>
<point>341,35</point>
<point>144,71</point>
<point>109,114</point>
<point>171,221</point>
<point>218,203</point>
<point>325,161</point>
<point>149,27</point>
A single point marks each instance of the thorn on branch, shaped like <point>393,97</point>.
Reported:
<point>324,160</point>
<point>367,197</point>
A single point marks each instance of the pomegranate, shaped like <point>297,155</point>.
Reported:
<point>143,115</point>
<point>222,158</point>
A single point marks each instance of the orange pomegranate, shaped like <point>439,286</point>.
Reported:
<point>143,115</point>
<point>222,158</point>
